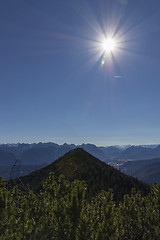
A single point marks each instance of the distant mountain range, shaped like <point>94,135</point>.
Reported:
<point>40,153</point>
<point>79,164</point>
<point>140,153</point>
<point>33,156</point>
<point>145,170</point>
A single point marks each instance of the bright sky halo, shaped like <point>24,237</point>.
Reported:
<point>106,49</point>
<point>108,45</point>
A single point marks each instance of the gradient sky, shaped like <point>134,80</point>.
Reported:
<point>52,84</point>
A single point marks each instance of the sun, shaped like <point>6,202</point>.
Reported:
<point>107,48</point>
<point>108,45</point>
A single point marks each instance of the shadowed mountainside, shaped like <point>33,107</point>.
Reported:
<point>79,164</point>
<point>145,170</point>
<point>139,153</point>
<point>6,158</point>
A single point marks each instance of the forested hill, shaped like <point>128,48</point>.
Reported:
<point>79,164</point>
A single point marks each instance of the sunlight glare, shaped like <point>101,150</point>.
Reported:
<point>108,45</point>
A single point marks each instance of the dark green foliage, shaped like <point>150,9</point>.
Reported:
<point>65,207</point>
<point>78,164</point>
<point>60,211</point>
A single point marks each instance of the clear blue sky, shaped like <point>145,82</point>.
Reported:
<point>52,84</point>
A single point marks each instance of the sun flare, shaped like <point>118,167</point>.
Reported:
<point>108,45</point>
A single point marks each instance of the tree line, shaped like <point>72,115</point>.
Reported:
<point>61,211</point>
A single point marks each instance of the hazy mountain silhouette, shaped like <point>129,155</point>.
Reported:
<point>139,153</point>
<point>111,152</point>
<point>6,158</point>
<point>38,153</point>
<point>146,170</point>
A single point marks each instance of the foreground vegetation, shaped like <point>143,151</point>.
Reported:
<point>62,212</point>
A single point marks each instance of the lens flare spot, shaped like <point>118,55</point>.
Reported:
<point>103,62</point>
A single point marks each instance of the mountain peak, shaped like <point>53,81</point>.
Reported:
<point>79,164</point>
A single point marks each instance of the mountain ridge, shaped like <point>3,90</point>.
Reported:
<point>145,170</point>
<point>79,164</point>
<point>45,153</point>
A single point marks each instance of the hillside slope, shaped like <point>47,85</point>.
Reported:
<point>79,164</point>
